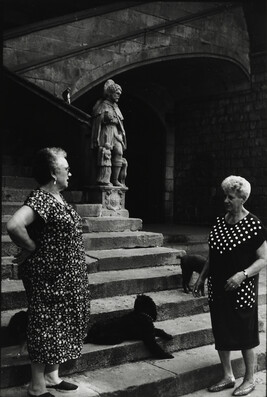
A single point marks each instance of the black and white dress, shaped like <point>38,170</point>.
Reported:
<point>56,282</point>
<point>234,315</point>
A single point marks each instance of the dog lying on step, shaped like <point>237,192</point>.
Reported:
<point>190,264</point>
<point>15,332</point>
<point>136,325</point>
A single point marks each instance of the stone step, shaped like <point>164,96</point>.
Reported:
<point>16,170</point>
<point>117,259</point>
<point>102,241</point>
<point>133,258</point>
<point>170,303</point>
<point>260,391</point>
<point>92,223</point>
<point>127,282</point>
<point>111,224</point>
<point>14,195</point>
<point>9,270</point>
<point>9,207</point>
<point>115,240</point>
<point>189,370</point>
<point>110,284</point>
<point>192,239</point>
<point>19,195</point>
<point>18,182</point>
<point>191,248</point>
<point>5,219</point>
<point>8,159</point>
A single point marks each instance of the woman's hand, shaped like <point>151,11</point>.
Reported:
<point>233,282</point>
<point>198,289</point>
<point>21,256</point>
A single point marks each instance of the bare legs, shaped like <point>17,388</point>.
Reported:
<point>228,376</point>
<point>249,359</point>
<point>37,384</point>
<point>228,380</point>
<point>225,357</point>
<point>43,375</point>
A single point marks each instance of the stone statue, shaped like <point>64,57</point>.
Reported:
<point>104,165</point>
<point>108,135</point>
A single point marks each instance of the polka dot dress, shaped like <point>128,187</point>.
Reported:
<point>56,282</point>
<point>234,314</point>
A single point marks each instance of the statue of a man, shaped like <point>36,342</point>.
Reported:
<point>108,131</point>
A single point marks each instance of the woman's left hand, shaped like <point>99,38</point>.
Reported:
<point>234,281</point>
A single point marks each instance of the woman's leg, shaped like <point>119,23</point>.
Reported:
<point>37,385</point>
<point>225,357</point>
<point>228,380</point>
<point>51,374</point>
<point>249,359</point>
<point>248,382</point>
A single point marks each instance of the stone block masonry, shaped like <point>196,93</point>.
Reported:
<point>218,136</point>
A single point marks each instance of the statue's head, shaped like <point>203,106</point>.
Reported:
<point>112,90</point>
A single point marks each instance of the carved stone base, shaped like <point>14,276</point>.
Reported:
<point>112,199</point>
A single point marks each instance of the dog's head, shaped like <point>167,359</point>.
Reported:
<point>18,325</point>
<point>145,304</point>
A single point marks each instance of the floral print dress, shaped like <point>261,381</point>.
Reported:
<point>56,282</point>
<point>234,315</point>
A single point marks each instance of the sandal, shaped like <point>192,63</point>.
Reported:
<point>226,384</point>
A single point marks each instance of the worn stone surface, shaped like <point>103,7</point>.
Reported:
<point>85,210</point>
<point>230,138</point>
<point>119,259</point>
<point>184,374</point>
<point>111,224</point>
<point>221,34</point>
<point>113,240</point>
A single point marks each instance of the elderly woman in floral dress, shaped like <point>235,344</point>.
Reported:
<point>237,253</point>
<point>52,267</point>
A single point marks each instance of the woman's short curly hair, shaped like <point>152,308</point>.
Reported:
<point>45,162</point>
<point>238,185</point>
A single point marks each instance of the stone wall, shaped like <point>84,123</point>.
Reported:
<point>217,137</point>
<point>85,52</point>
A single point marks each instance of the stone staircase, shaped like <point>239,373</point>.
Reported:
<point>122,261</point>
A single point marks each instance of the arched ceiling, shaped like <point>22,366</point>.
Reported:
<point>17,13</point>
<point>181,78</point>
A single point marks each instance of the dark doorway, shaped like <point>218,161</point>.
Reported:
<point>146,159</point>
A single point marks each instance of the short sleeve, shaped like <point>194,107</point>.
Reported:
<point>258,230</point>
<point>39,203</point>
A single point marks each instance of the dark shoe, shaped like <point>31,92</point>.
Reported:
<point>47,394</point>
<point>226,384</point>
<point>65,387</point>
<point>243,391</point>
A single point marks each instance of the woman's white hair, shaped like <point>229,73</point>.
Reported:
<point>237,184</point>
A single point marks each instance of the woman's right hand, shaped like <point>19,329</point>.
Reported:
<point>198,288</point>
<point>21,256</point>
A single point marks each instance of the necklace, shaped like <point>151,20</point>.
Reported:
<point>57,196</point>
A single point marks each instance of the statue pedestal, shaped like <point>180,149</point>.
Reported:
<point>112,199</point>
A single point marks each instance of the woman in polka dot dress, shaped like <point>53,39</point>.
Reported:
<point>237,253</point>
<point>52,267</point>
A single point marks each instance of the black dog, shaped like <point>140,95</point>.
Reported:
<point>15,333</point>
<point>190,264</point>
<point>136,325</point>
